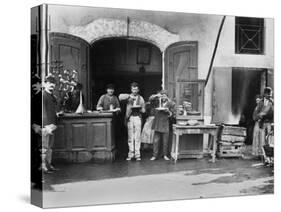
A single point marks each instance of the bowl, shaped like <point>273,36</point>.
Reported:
<point>192,122</point>
<point>181,122</point>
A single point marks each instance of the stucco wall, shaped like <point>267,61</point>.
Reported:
<point>200,27</point>
<point>226,56</point>
<point>181,26</point>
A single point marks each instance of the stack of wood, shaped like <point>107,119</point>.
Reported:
<point>231,141</point>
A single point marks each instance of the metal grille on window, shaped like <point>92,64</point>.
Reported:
<point>249,35</point>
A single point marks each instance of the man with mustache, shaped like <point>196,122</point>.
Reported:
<point>161,123</point>
<point>49,123</point>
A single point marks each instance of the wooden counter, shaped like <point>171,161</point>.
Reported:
<point>86,137</point>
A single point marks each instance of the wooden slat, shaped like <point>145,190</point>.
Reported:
<point>230,130</point>
<point>229,147</point>
<point>233,138</point>
<point>229,155</point>
<point>227,143</point>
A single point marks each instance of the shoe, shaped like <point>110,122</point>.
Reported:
<point>153,158</point>
<point>128,159</point>
<point>166,158</point>
<point>138,159</point>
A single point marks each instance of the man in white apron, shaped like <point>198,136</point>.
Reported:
<point>135,106</point>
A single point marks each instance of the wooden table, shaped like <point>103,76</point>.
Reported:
<point>179,130</point>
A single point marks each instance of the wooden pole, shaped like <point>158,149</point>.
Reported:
<point>215,50</point>
<point>43,33</point>
<point>38,30</point>
<point>163,71</point>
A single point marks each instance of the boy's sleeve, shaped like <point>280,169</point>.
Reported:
<point>142,105</point>
<point>100,102</point>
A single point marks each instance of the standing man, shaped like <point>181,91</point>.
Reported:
<point>160,123</point>
<point>265,114</point>
<point>108,101</point>
<point>49,123</point>
<point>257,132</point>
<point>135,106</point>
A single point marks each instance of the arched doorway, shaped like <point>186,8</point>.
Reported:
<point>121,61</point>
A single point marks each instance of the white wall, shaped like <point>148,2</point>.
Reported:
<point>200,27</point>
<point>226,56</point>
<point>191,27</point>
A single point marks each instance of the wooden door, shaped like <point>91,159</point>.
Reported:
<point>181,63</point>
<point>68,52</point>
<point>222,97</point>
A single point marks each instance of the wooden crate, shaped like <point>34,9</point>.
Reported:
<point>231,141</point>
<point>229,150</point>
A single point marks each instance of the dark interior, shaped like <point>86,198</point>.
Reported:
<point>122,61</point>
<point>245,86</point>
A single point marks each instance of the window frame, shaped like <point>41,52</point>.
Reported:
<point>249,23</point>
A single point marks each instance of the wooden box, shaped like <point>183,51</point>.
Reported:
<point>231,141</point>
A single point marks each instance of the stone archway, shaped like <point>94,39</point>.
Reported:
<point>106,27</point>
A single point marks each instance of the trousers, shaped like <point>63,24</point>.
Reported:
<point>157,138</point>
<point>134,134</point>
<point>46,154</point>
<point>259,137</point>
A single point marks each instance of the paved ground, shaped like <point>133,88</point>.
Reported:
<point>122,181</point>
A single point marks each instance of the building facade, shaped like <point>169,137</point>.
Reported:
<point>158,48</point>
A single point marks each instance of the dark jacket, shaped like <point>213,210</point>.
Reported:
<point>266,111</point>
<point>162,118</point>
<point>49,109</point>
